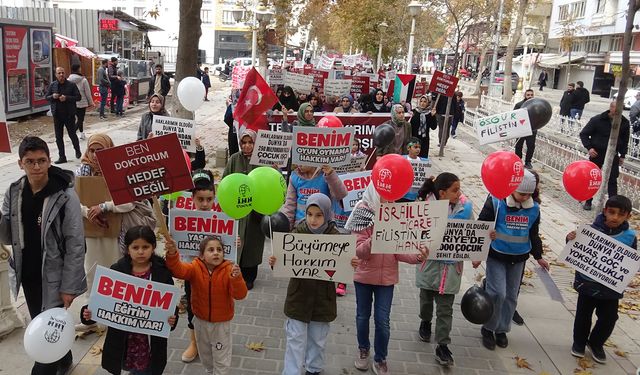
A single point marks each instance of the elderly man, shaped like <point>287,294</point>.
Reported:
<point>63,95</point>
<point>595,138</point>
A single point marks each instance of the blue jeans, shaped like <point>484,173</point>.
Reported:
<point>305,345</point>
<point>365,294</point>
<point>576,113</point>
<point>104,90</point>
<point>503,284</point>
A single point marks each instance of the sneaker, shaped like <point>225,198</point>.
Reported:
<point>425,331</point>
<point>488,339</point>
<point>598,354</point>
<point>577,351</point>
<point>444,355</point>
<point>103,117</point>
<point>362,362</point>
<point>381,368</point>
<point>60,161</point>
<point>341,289</point>
<point>517,319</point>
<point>528,165</point>
<point>81,136</point>
<point>501,340</point>
<point>587,206</point>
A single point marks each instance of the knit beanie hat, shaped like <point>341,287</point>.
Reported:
<point>528,184</point>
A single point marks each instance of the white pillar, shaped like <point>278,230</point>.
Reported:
<point>410,52</point>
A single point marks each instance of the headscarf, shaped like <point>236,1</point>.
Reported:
<point>324,204</point>
<point>247,132</point>
<point>303,121</point>
<point>289,102</point>
<point>162,110</point>
<point>378,104</point>
<point>397,121</point>
<point>348,97</point>
<point>102,140</point>
<point>423,112</point>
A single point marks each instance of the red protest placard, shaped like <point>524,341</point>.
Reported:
<point>420,89</point>
<point>359,85</point>
<point>444,84</point>
<point>306,70</point>
<point>143,169</point>
<point>318,79</point>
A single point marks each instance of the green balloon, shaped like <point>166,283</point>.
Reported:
<point>235,195</point>
<point>270,190</point>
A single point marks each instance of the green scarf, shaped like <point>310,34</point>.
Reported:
<point>301,120</point>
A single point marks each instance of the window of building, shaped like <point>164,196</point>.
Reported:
<point>600,5</point>
<point>205,16</point>
<point>227,17</point>
<point>138,12</point>
<point>563,13</point>
<point>578,8</point>
<point>119,9</point>
<point>616,43</point>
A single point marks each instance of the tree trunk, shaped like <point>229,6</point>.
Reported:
<point>187,59</point>
<point>634,5</point>
<point>513,42</point>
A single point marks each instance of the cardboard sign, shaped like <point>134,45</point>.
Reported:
<point>421,171</point>
<point>321,146</point>
<point>272,148</point>
<point>5,142</point>
<point>401,228</point>
<point>143,169</point>
<point>419,90</point>
<point>306,70</point>
<point>444,84</point>
<point>238,74</point>
<point>298,64</point>
<point>298,82</point>
<point>318,79</point>
<point>356,183</point>
<point>503,126</point>
<point>132,304</point>
<point>601,258</point>
<point>184,128</point>
<point>189,227</point>
<point>276,77</point>
<point>357,164</point>
<point>464,240</point>
<point>390,75</point>
<point>185,201</point>
<point>337,87</point>
<point>314,256</point>
<point>92,190</point>
<point>350,60</point>
<point>325,62</point>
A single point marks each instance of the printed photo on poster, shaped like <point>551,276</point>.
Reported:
<point>41,80</point>
<point>18,90</point>
<point>41,46</point>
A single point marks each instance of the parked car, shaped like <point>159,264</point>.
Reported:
<point>629,97</point>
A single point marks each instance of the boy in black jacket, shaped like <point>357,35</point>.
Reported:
<point>594,296</point>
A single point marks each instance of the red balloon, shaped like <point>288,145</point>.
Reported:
<point>187,159</point>
<point>502,172</point>
<point>392,176</point>
<point>330,122</point>
<point>582,179</point>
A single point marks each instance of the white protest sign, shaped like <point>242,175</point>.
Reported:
<point>298,82</point>
<point>464,240</point>
<point>601,258</point>
<point>337,87</point>
<point>503,126</point>
<point>276,77</point>
<point>400,228</point>
<point>132,304</point>
<point>356,183</point>
<point>321,146</point>
<point>314,256</point>
<point>421,171</point>
<point>390,75</point>
<point>325,62</point>
<point>184,128</point>
<point>271,148</point>
<point>298,64</point>
<point>356,164</point>
<point>189,227</point>
<point>350,60</point>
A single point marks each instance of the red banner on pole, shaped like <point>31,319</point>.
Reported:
<point>444,84</point>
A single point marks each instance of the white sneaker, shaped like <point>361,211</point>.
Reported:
<point>82,136</point>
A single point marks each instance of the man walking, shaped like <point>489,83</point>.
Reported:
<point>542,79</point>
<point>581,97</point>
<point>86,98</point>
<point>566,103</point>
<point>530,140</point>
<point>112,71</point>
<point>595,138</point>
<point>42,220</point>
<point>159,83</point>
<point>63,95</point>
<point>103,85</point>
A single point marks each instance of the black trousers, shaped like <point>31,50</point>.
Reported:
<point>60,122</point>
<point>249,274</point>
<point>187,292</point>
<point>33,297</point>
<point>80,112</point>
<point>531,146</point>
<point>607,313</point>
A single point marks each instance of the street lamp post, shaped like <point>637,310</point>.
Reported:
<point>259,14</point>
<point>414,8</point>
<point>381,28</point>
<point>528,32</point>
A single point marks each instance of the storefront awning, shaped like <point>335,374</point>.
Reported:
<point>62,41</point>
<point>557,61</point>
<point>82,51</point>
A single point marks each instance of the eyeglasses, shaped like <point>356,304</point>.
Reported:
<point>32,163</point>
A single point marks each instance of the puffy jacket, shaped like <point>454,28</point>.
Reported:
<point>86,98</point>
<point>596,135</point>
<point>212,294</point>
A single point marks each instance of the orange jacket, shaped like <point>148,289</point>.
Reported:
<point>212,294</point>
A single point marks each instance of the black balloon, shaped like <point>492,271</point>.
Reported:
<point>539,112</point>
<point>383,135</point>
<point>476,305</point>
<point>279,223</point>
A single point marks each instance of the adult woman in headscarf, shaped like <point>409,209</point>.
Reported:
<point>156,107</point>
<point>316,103</point>
<point>346,105</point>
<point>249,232</point>
<point>287,100</point>
<point>379,106</point>
<point>423,119</point>
<point>303,118</point>
<point>402,131</point>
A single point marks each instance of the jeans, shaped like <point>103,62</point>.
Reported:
<point>381,297</point>
<point>80,112</point>
<point>104,91</point>
<point>60,122</point>
<point>531,146</point>
<point>607,313</point>
<point>305,345</point>
<point>576,113</point>
<point>444,313</point>
<point>503,285</point>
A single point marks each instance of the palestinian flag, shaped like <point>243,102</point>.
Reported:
<point>403,87</point>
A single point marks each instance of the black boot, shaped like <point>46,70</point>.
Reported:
<point>425,331</point>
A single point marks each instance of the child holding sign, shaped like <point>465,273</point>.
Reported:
<point>135,352</point>
<point>439,280</point>
<point>215,283</point>
<point>376,276</point>
<point>613,221</point>
<point>310,304</point>
<point>413,154</point>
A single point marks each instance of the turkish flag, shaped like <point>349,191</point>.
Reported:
<point>256,98</point>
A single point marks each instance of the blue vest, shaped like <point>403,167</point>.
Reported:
<point>465,213</point>
<point>626,237</point>
<point>304,188</point>
<point>340,216</point>
<point>512,228</point>
<point>412,194</point>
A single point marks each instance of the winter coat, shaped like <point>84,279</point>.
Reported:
<point>311,300</point>
<point>165,86</point>
<point>596,135</point>
<point>103,78</point>
<point>146,123</point>
<point>581,98</point>
<point>458,110</point>
<point>212,294</point>
<point>566,103</point>
<point>72,94</point>
<point>86,98</point>
<point>62,239</point>
<point>249,232</point>
<point>114,350</point>
<point>431,122</point>
<point>391,148</point>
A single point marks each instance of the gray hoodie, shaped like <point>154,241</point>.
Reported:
<point>85,90</point>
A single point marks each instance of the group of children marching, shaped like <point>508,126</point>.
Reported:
<point>313,198</point>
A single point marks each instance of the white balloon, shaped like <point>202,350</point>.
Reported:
<point>191,93</point>
<point>50,335</point>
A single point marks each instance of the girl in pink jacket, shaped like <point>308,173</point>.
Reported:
<point>374,282</point>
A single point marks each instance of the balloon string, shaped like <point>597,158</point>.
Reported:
<point>89,271</point>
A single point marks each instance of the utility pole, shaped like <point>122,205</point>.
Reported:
<point>496,43</point>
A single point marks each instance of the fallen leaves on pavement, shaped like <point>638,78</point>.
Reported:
<point>255,346</point>
<point>580,371</point>
<point>557,264</point>
<point>522,363</point>
<point>528,273</point>
<point>585,363</point>
<point>620,353</point>
<point>95,350</point>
